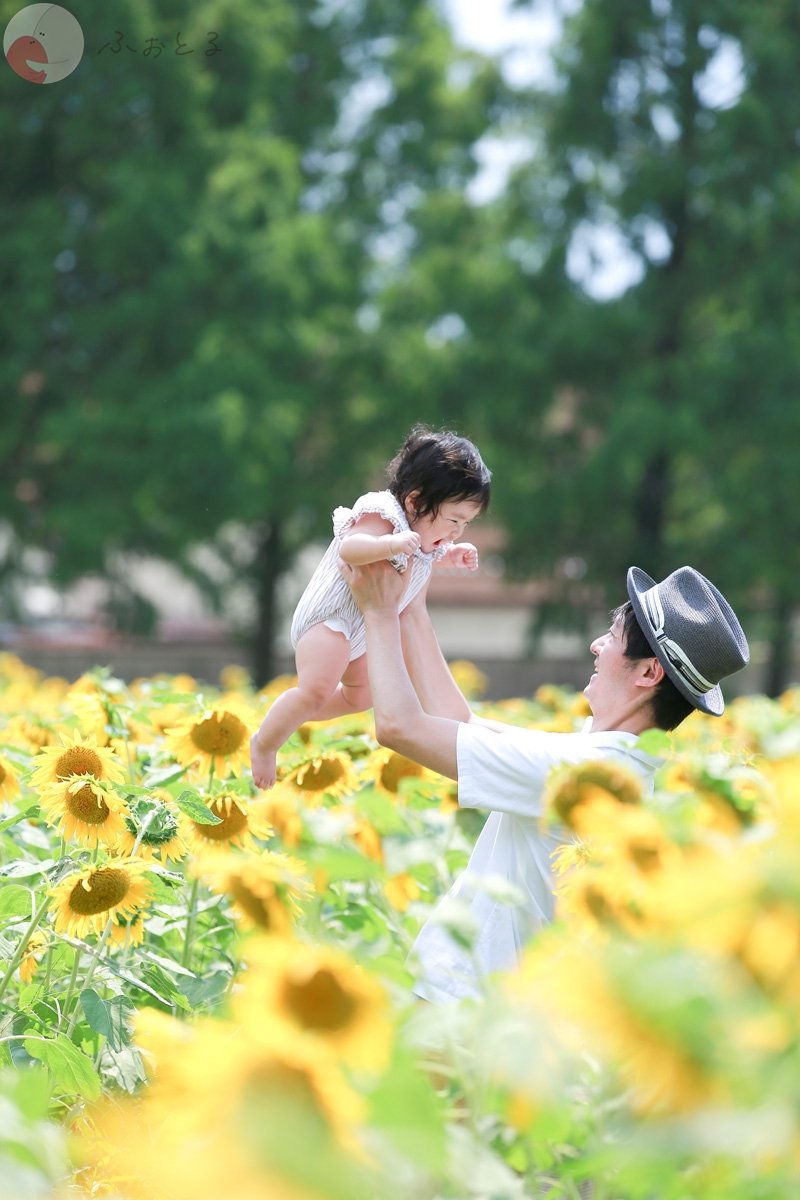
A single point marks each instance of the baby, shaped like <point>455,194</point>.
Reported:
<point>438,484</point>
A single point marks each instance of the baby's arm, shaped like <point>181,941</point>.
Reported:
<point>461,554</point>
<point>373,540</point>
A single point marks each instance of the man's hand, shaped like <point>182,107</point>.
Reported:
<point>375,586</point>
<point>463,555</point>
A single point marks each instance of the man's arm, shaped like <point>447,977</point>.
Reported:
<point>439,694</point>
<point>400,720</point>
<point>433,681</point>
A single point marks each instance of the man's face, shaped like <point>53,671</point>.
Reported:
<point>610,682</point>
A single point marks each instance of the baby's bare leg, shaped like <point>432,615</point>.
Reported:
<point>321,657</point>
<point>352,695</point>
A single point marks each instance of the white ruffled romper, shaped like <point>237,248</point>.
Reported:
<point>327,599</point>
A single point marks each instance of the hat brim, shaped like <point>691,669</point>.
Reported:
<point>712,702</point>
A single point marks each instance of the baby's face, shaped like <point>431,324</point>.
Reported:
<point>447,526</point>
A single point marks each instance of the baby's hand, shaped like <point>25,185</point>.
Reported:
<point>462,554</point>
<point>405,543</point>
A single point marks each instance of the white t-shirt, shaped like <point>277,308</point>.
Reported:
<point>505,773</point>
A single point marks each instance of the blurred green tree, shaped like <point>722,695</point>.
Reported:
<point>638,292</point>
<point>193,241</point>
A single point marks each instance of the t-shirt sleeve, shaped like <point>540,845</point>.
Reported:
<point>507,772</point>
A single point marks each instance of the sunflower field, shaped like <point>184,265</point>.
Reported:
<point>206,990</point>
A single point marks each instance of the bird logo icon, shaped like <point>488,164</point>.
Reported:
<point>43,43</point>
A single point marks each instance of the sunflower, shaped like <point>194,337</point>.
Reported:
<point>469,678</point>
<point>30,733</point>
<point>601,899</point>
<point>265,890</point>
<point>37,944</point>
<point>595,994</point>
<point>75,756</point>
<point>250,1114</point>
<point>93,719</point>
<point>84,901</point>
<point>280,807</point>
<point>320,992</point>
<point>275,688</point>
<point>367,838</point>
<point>577,787</point>
<point>83,811</point>
<point>235,678</point>
<point>161,837</point>
<point>329,773</point>
<point>127,932</point>
<point>241,823</point>
<point>400,890</point>
<point>9,783</point>
<point>218,738</point>
<point>386,769</point>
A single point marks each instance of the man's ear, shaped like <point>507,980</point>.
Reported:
<point>650,673</point>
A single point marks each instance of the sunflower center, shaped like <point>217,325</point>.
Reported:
<point>86,806</point>
<point>396,768</point>
<point>319,776</point>
<point>231,823</point>
<point>598,905</point>
<point>108,887</point>
<point>319,1001</point>
<point>2,774</point>
<point>222,734</point>
<point>256,908</point>
<point>79,760</point>
<point>646,855</point>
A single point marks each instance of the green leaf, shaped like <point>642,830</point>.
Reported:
<point>15,901</point>
<point>381,813</point>
<point>21,816</point>
<point>108,1017</point>
<point>404,1105</point>
<point>70,1068</point>
<point>22,869</point>
<point>167,964</point>
<point>196,809</point>
<point>164,776</point>
<point>655,742</point>
<point>32,1092</point>
<point>340,863</point>
<point>123,1067</point>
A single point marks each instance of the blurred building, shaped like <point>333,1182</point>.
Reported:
<point>481,616</point>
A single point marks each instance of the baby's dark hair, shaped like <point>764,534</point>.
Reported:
<point>439,466</point>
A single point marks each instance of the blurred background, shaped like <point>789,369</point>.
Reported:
<point>246,244</point>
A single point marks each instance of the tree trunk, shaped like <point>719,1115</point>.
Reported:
<point>268,569</point>
<point>650,511</point>
<point>779,667</point>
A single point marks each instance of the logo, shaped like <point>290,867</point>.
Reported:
<point>43,43</point>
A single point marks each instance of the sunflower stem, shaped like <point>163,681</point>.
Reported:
<point>187,943</point>
<point>73,1021</point>
<point>16,957</point>
<point>48,967</point>
<point>145,825</point>
<point>70,987</point>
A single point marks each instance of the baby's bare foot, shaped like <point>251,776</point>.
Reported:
<point>264,764</point>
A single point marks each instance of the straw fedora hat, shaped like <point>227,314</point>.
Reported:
<point>693,632</point>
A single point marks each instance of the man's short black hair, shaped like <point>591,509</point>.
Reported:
<point>669,706</point>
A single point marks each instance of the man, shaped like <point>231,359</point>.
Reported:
<point>663,656</point>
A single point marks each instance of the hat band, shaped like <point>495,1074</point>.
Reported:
<point>694,681</point>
